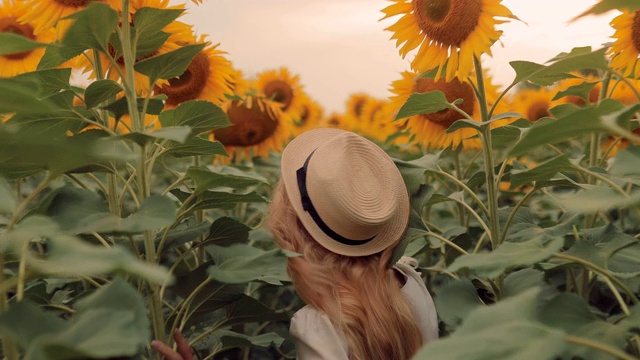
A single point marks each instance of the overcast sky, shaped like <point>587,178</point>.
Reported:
<point>339,47</point>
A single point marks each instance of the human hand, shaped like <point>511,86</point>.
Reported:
<point>184,351</point>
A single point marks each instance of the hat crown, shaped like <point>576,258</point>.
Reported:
<point>355,193</point>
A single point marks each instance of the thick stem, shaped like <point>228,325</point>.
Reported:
<point>129,56</point>
<point>487,150</point>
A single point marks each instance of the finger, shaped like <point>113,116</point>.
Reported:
<point>183,346</point>
<point>166,351</point>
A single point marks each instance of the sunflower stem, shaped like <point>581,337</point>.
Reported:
<point>129,57</point>
<point>487,150</point>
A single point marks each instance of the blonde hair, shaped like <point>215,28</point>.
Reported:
<point>358,294</point>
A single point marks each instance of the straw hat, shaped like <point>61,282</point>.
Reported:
<point>347,192</point>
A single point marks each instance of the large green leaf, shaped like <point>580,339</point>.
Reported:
<point>120,107</point>
<point>100,91</point>
<point>183,233</point>
<point>248,309</point>
<point>200,115</point>
<point>70,256</point>
<point>50,81</point>
<point>23,97</point>
<point>168,65</point>
<point>148,23</point>
<point>509,255</point>
<point>578,59</point>
<point>218,199</point>
<point>607,5</point>
<point>507,330</point>
<point>598,198</point>
<point>455,300</point>
<point>63,154</point>
<point>241,263</point>
<point>92,27</point>
<point>111,322</point>
<point>196,146</point>
<point>580,122</point>
<point>570,313</point>
<point>178,134</point>
<point>24,322</point>
<point>230,340</point>
<point>597,248</point>
<point>7,199</point>
<point>413,171</point>
<point>544,171</point>
<point>626,162</point>
<point>520,281</point>
<point>227,231</point>
<point>425,103</point>
<point>206,179</point>
<point>15,44</point>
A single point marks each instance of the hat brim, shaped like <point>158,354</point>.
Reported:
<point>293,158</point>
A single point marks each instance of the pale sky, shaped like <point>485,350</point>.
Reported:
<point>339,47</point>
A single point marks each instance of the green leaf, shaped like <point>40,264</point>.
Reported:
<point>168,65</point>
<point>544,171</point>
<point>581,122</point>
<point>248,310</point>
<point>578,59</point>
<point>15,44</point>
<point>424,103</point>
<point>520,281</point>
<point>570,313</point>
<point>7,199</point>
<point>227,231</point>
<point>179,134</point>
<point>100,91</point>
<point>504,136</point>
<point>219,199</point>
<point>24,322</point>
<point>507,331</point>
<point>598,198</point>
<point>597,248</point>
<point>63,154</point>
<point>196,146</point>
<point>413,171</point>
<point>206,179</point>
<point>120,107</point>
<point>18,97</point>
<point>582,91</point>
<point>200,115</point>
<point>626,162</point>
<point>92,27</point>
<point>183,233</point>
<point>109,323</point>
<point>464,124</point>
<point>509,255</point>
<point>607,5</point>
<point>232,340</point>
<point>150,20</point>
<point>50,81</point>
<point>57,54</point>
<point>455,300</point>
<point>241,263</point>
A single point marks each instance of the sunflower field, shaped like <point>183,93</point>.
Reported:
<point>136,165</point>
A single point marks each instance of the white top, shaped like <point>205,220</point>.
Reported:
<point>317,339</point>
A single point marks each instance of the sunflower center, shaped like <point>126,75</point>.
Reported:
<point>452,90</point>
<point>72,3</point>
<point>280,92</point>
<point>538,110</point>
<point>251,126</point>
<point>357,107</point>
<point>635,31</point>
<point>190,84</point>
<point>304,116</point>
<point>11,25</point>
<point>447,22</point>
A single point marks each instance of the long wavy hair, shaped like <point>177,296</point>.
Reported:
<point>360,295</point>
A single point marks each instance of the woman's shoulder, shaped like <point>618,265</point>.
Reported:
<point>315,336</point>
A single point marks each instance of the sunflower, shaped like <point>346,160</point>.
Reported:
<point>353,114</point>
<point>310,117</point>
<point>430,129</point>
<point>20,63</point>
<point>258,127</point>
<point>375,121</point>
<point>240,86</point>
<point>46,14</point>
<point>457,30</point>
<point>282,87</point>
<point>208,77</point>
<point>625,49</point>
<point>335,120</point>
<point>534,104</point>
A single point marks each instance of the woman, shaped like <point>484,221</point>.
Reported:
<point>342,204</point>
